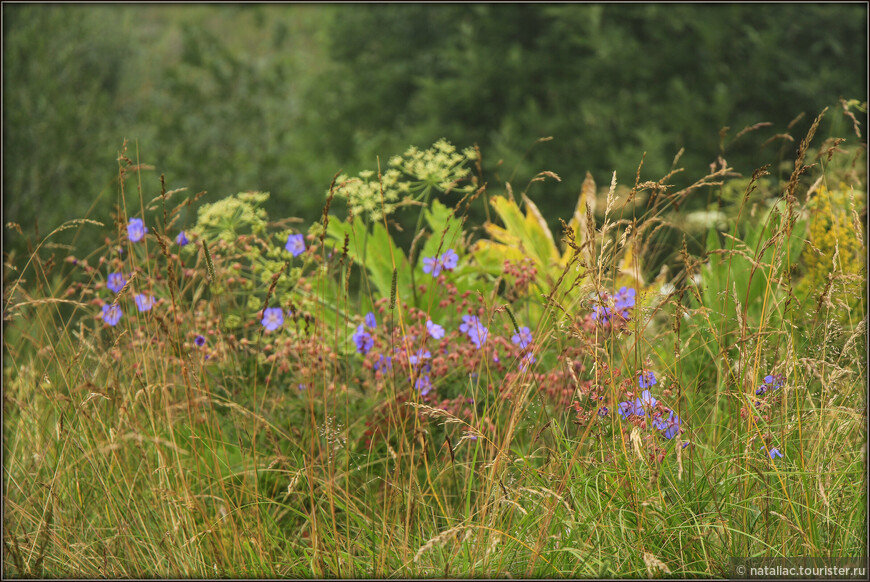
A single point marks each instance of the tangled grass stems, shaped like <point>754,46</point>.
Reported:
<point>610,423</point>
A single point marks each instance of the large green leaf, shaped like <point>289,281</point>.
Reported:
<point>376,251</point>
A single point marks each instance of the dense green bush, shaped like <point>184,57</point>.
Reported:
<point>608,82</point>
<point>278,98</point>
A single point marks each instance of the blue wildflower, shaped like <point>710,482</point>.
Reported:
<point>363,340</point>
<point>625,300</point>
<point>435,330</point>
<point>771,382</point>
<point>646,379</point>
<point>370,320</point>
<point>774,452</point>
<point>527,360</point>
<point>602,313</point>
<point>144,302</point>
<point>273,318</point>
<point>774,382</point>
<point>523,338</point>
<point>136,229</point>
<point>629,408</point>
<point>181,239</point>
<point>424,385</point>
<point>295,244</point>
<point>435,265</point>
<point>467,322</point>
<point>431,265</point>
<point>620,303</point>
<point>474,329</point>
<point>647,399</point>
<point>419,356</point>
<point>478,336</point>
<point>199,341</point>
<point>670,425</point>
<point>112,314</point>
<point>116,282</point>
<point>449,259</point>
<point>384,364</point>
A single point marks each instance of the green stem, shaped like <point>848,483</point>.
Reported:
<point>411,257</point>
<point>364,254</point>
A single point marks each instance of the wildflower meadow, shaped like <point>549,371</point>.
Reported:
<point>219,392</point>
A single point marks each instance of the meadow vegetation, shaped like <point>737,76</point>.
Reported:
<point>222,391</point>
<point>277,98</point>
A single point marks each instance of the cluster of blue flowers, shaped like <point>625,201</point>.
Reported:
<point>474,329</point>
<point>362,338</point>
<point>446,262</point>
<point>136,230</point>
<point>623,300</point>
<point>669,425</point>
<point>424,382</point>
<point>771,382</point>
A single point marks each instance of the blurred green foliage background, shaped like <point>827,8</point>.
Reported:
<point>278,98</point>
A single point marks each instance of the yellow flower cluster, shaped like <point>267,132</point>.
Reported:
<point>440,166</point>
<point>234,215</point>
<point>834,248</point>
<point>409,175</point>
<point>363,194</point>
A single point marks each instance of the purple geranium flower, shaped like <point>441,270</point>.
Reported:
<point>420,355</point>
<point>435,330</point>
<point>363,340</point>
<point>601,312</point>
<point>112,314</point>
<point>424,385</point>
<point>273,318</point>
<point>116,282</point>
<point>295,244</point>
<point>144,302</point>
<point>199,341</point>
<point>629,408</point>
<point>431,264</point>
<point>447,262</point>
<point>474,329</point>
<point>625,300</point>
<point>647,399</point>
<point>670,425</point>
<point>646,379</point>
<point>384,364</point>
<point>449,259</point>
<point>523,338</point>
<point>370,320</point>
<point>136,229</point>
<point>478,336</point>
